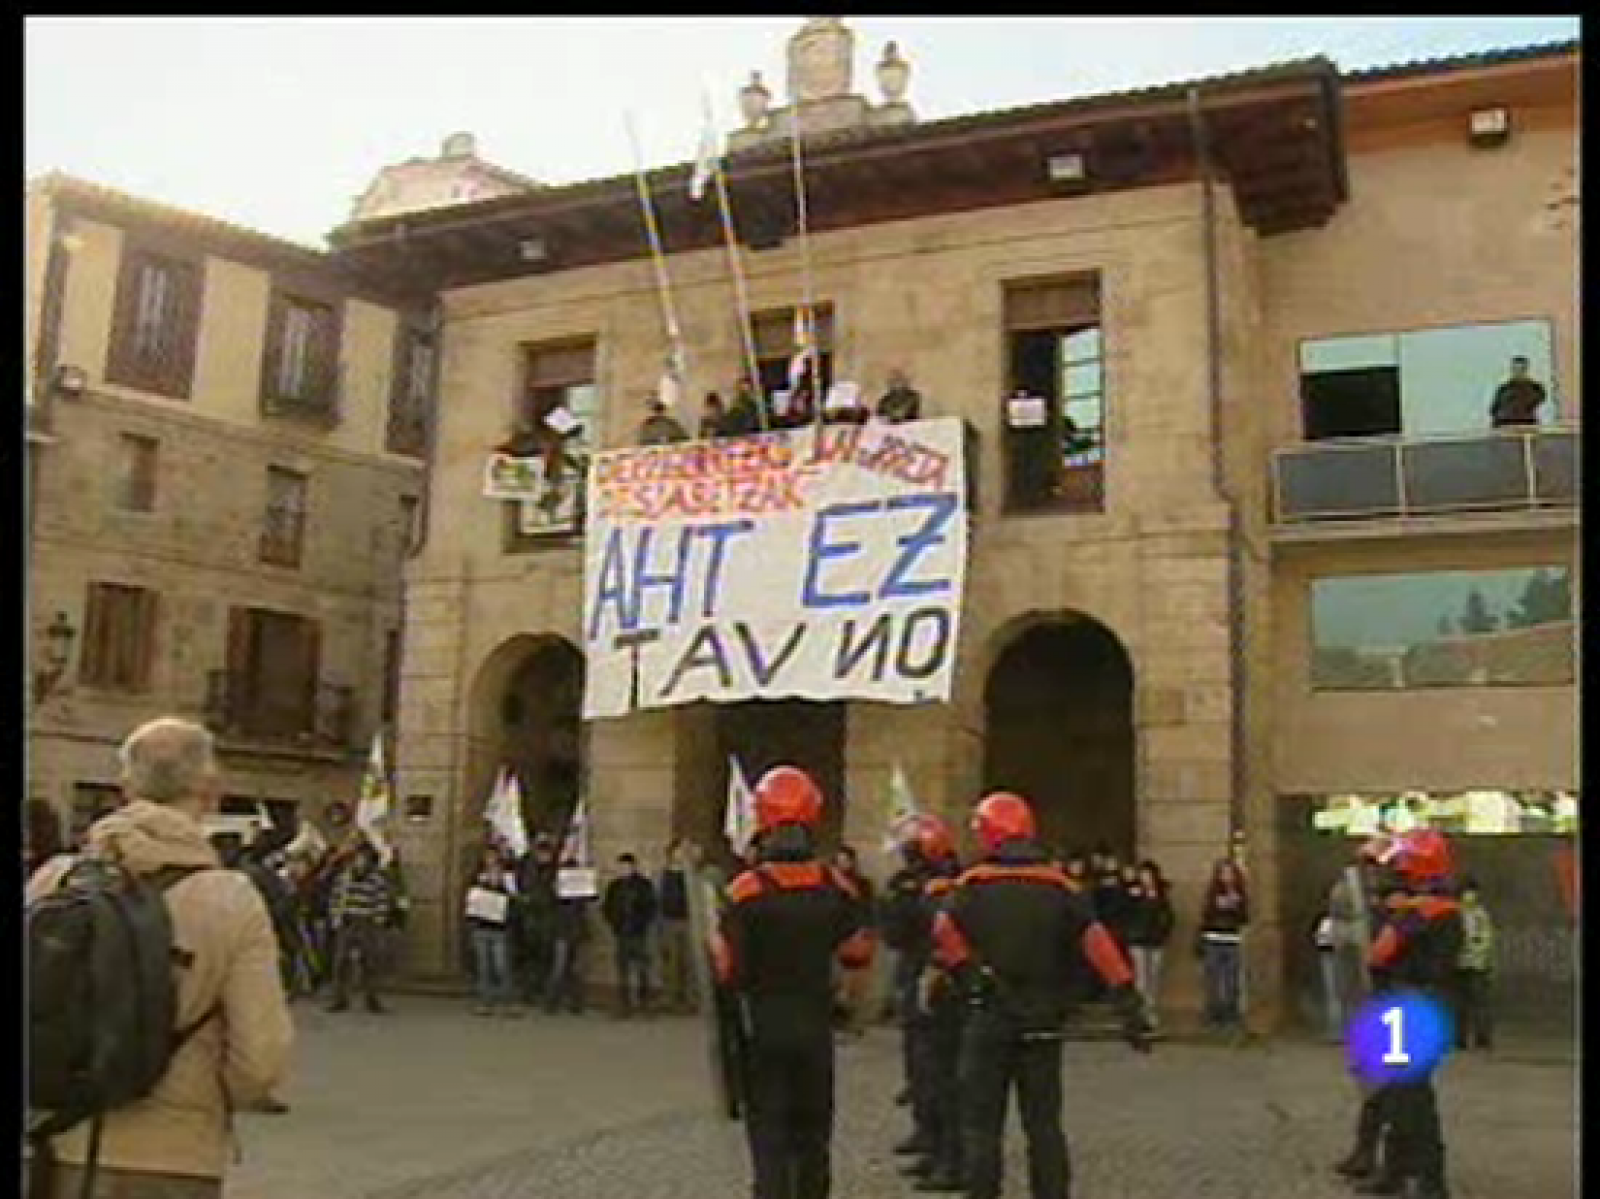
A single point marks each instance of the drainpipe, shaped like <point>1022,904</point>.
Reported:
<point>1238,746</point>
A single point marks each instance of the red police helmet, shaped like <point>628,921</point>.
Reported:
<point>1002,816</point>
<point>787,795</point>
<point>1422,856</point>
<point>930,836</point>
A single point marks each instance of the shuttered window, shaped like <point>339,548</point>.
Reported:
<point>411,397</point>
<point>155,324</point>
<point>284,521</point>
<point>272,672</point>
<point>137,459</point>
<point>119,637</point>
<point>300,359</point>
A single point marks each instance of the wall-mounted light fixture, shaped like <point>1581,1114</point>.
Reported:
<point>1489,126</point>
<point>1067,167</point>
<point>533,249</point>
<point>71,381</point>
<point>58,639</point>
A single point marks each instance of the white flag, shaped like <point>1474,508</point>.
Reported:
<point>308,843</point>
<point>903,807</point>
<point>504,813</point>
<point>803,348</point>
<point>575,845</point>
<point>705,161</point>
<point>376,803</point>
<point>739,818</point>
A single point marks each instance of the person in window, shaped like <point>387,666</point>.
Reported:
<point>1517,401</point>
<point>901,402</point>
<point>659,426</point>
<point>744,414</point>
<point>713,417</point>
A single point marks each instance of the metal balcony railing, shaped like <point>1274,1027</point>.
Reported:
<point>239,708</point>
<point>1491,471</point>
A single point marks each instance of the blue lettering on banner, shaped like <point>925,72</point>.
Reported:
<point>764,671</point>
<point>613,586</point>
<point>820,549</point>
<point>941,508</point>
<point>627,592</point>
<point>673,583</point>
<point>719,536</point>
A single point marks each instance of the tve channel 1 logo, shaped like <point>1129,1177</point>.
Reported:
<point>1398,1038</point>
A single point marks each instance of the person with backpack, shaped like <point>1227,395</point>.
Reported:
<point>147,945</point>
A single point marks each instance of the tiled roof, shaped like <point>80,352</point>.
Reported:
<point>1463,62</point>
<point>58,184</point>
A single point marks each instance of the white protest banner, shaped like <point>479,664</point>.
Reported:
<point>819,563</point>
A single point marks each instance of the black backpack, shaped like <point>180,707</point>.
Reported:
<point>102,998</point>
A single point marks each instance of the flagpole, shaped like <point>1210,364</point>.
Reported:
<point>657,254</point>
<point>805,258</point>
<point>735,268</point>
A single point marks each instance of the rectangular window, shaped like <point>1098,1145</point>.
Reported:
<point>776,337</point>
<point>119,637</point>
<point>1429,382</point>
<point>284,521</point>
<point>1493,628</point>
<point>270,685</point>
<point>1054,415</point>
<point>155,322</point>
<point>411,399</point>
<point>300,365</point>
<point>410,523</point>
<point>137,458</point>
<point>557,413</point>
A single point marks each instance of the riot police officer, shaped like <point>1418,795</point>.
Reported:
<point>934,1017</point>
<point>786,919</point>
<point>1415,951</point>
<point>1011,935</point>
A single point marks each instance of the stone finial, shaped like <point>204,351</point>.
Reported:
<point>459,145</point>
<point>820,57</point>
<point>753,101</point>
<point>894,75</point>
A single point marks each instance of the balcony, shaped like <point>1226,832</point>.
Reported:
<point>1389,478</point>
<point>240,709</point>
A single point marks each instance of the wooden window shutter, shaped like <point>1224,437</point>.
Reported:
<point>323,356</point>
<point>122,362</point>
<point>93,664</point>
<point>561,365</point>
<point>189,280</point>
<point>1052,304</point>
<point>272,345</point>
<point>146,613</point>
<point>311,650</point>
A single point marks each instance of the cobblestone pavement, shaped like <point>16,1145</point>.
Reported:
<point>431,1103</point>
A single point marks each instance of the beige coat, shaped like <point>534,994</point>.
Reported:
<point>241,1053</point>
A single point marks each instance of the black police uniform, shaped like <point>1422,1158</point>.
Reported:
<point>785,921</point>
<point>1012,935</point>
<point>907,930</point>
<point>936,1054</point>
<point>1415,951</point>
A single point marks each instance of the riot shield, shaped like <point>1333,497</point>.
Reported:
<point>722,1010</point>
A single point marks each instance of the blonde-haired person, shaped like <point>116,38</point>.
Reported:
<point>175,1143</point>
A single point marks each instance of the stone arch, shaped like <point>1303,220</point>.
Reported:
<point>526,711</point>
<point>1058,705</point>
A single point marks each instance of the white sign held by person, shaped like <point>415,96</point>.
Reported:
<point>819,563</point>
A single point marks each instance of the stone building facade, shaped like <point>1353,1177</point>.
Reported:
<point>1226,285</point>
<point>226,443</point>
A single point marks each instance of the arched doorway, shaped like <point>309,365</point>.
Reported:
<point>760,734</point>
<point>528,713</point>
<point>1059,729</point>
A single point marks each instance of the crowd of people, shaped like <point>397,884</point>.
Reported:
<point>752,411</point>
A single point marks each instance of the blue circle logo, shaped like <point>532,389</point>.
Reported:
<point>1398,1037</point>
